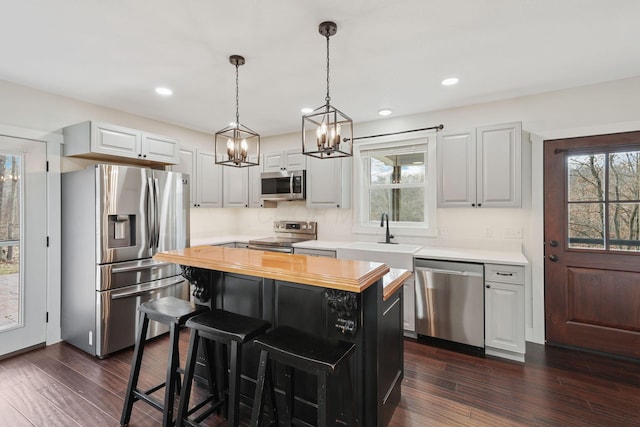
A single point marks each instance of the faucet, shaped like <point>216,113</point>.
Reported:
<point>388,237</point>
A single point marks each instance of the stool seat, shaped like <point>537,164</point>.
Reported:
<point>170,310</point>
<point>304,351</point>
<point>225,326</point>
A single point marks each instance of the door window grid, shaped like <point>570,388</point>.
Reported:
<point>603,198</point>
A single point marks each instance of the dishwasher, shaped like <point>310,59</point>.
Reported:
<point>450,301</point>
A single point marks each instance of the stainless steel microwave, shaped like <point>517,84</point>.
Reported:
<point>283,185</point>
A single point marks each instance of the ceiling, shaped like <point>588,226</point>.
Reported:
<point>386,54</point>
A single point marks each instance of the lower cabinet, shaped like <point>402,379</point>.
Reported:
<point>504,311</point>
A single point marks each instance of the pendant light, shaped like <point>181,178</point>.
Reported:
<point>326,131</point>
<point>237,145</point>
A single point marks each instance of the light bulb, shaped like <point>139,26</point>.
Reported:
<point>321,134</point>
<point>243,149</point>
<point>230,148</point>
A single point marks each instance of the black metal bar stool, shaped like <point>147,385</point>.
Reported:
<point>224,327</point>
<point>173,312</point>
<point>325,358</point>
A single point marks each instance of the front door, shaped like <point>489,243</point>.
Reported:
<point>23,256</point>
<point>592,243</point>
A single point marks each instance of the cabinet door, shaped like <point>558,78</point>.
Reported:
<point>504,316</point>
<point>115,140</point>
<point>236,187</point>
<point>255,186</point>
<point>209,176</point>
<point>456,153</point>
<point>329,183</point>
<point>294,160</point>
<point>408,294</point>
<point>160,149</point>
<point>499,165</point>
<point>273,162</point>
<point>187,165</point>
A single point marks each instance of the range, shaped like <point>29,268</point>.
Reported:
<point>287,233</point>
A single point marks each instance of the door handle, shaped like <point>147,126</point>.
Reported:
<point>553,258</point>
<point>553,243</point>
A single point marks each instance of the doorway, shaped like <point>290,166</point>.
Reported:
<point>592,243</point>
<point>23,249</point>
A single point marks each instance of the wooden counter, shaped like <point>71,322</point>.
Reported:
<point>354,301</point>
<point>330,273</point>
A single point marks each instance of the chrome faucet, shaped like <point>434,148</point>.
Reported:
<point>388,237</point>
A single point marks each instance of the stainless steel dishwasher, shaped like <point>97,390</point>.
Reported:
<point>450,301</point>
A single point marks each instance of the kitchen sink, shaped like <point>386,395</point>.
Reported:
<point>394,255</point>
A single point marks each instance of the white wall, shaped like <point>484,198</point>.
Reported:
<point>603,108</point>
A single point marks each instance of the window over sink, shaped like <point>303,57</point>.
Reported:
<point>398,178</point>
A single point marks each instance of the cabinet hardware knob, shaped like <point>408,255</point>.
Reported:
<point>479,204</point>
<point>488,286</point>
<point>553,258</point>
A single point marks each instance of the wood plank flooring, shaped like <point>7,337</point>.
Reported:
<point>62,386</point>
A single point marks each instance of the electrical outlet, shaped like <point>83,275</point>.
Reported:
<point>488,232</point>
<point>513,233</point>
<point>443,231</point>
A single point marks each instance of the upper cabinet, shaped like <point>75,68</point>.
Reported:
<point>235,193</point>
<point>480,167</point>
<point>102,141</point>
<point>283,160</point>
<point>329,182</point>
<point>255,187</point>
<point>206,177</point>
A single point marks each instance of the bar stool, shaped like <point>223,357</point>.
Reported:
<point>173,312</point>
<point>310,353</point>
<point>232,330</point>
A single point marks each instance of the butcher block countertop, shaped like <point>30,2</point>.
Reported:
<point>331,273</point>
<point>393,280</point>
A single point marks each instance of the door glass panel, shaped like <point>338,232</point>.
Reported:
<point>624,183</point>
<point>623,226</point>
<point>405,204</point>
<point>586,225</point>
<point>10,203</point>
<point>586,177</point>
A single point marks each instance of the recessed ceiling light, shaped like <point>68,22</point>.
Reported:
<point>449,81</point>
<point>164,91</point>
<point>385,112</point>
<point>306,110</point>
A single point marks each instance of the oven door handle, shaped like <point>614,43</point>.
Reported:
<point>270,249</point>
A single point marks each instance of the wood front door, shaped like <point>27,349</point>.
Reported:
<point>592,243</point>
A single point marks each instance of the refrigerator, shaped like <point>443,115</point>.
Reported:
<point>114,219</point>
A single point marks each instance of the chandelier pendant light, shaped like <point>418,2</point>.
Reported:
<point>326,131</point>
<point>237,145</point>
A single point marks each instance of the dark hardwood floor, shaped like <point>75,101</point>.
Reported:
<point>62,386</point>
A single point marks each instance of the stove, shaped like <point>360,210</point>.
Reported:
<point>287,233</point>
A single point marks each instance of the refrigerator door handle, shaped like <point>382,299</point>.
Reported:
<point>151,208</point>
<point>156,211</point>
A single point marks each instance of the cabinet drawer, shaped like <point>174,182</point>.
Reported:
<point>504,273</point>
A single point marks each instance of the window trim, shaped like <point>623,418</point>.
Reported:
<point>361,199</point>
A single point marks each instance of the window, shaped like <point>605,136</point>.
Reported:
<point>604,201</point>
<point>397,178</point>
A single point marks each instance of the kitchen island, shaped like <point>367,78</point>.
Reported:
<point>355,301</point>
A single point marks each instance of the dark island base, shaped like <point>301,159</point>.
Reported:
<point>374,325</point>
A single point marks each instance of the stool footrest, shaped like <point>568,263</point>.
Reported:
<point>138,395</point>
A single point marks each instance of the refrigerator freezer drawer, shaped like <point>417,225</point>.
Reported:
<point>117,315</point>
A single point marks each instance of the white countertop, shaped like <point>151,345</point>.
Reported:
<point>221,240</point>
<point>472,255</point>
<point>330,245</point>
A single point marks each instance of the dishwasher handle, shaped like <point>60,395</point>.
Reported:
<point>452,272</point>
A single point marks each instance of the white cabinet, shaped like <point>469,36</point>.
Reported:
<point>329,182</point>
<point>504,311</point>
<point>480,167</point>
<point>409,298</point>
<point>235,193</point>
<point>103,141</point>
<point>206,177</point>
<point>255,186</point>
<point>283,160</point>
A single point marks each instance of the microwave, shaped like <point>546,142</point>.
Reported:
<point>283,185</point>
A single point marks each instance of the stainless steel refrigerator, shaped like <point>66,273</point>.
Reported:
<point>114,219</point>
